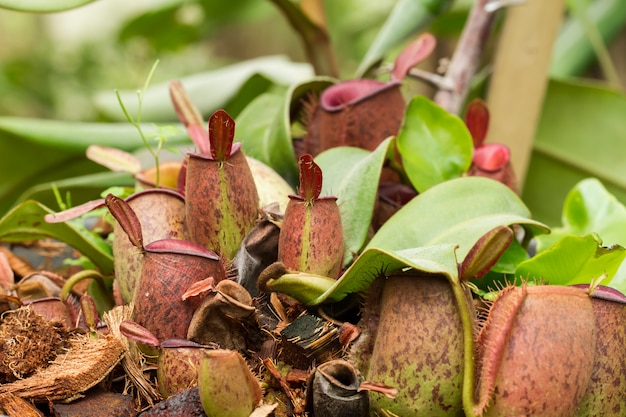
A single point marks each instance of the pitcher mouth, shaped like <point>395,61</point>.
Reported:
<point>338,96</point>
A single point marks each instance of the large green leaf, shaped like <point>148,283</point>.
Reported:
<point>42,6</point>
<point>371,264</point>
<point>590,208</point>
<point>36,151</point>
<point>574,260</point>
<point>254,126</point>
<point>265,136</point>
<point>352,175</point>
<point>77,136</point>
<point>209,91</point>
<point>374,262</point>
<point>459,212</point>
<point>407,18</point>
<point>580,134</point>
<point>26,222</point>
<point>435,145</point>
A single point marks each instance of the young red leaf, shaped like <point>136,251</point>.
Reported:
<point>412,55</point>
<point>190,116</point>
<point>138,333</point>
<point>114,159</point>
<point>221,135</point>
<point>491,157</point>
<point>90,312</point>
<point>486,252</point>
<point>73,212</point>
<point>127,219</point>
<point>310,178</point>
<point>199,288</point>
<point>477,120</point>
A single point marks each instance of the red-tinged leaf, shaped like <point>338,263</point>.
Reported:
<point>181,343</point>
<point>184,247</point>
<point>11,299</point>
<point>348,333</point>
<point>310,178</point>
<point>477,120</point>
<point>127,219</point>
<point>379,387</point>
<point>602,292</point>
<point>138,333</point>
<point>90,312</point>
<point>190,116</point>
<point>182,177</point>
<point>113,158</point>
<point>486,252</point>
<point>7,277</point>
<point>412,55</point>
<point>221,135</point>
<point>74,212</point>
<point>199,288</point>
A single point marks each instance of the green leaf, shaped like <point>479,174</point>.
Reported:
<point>458,211</point>
<point>81,188</point>
<point>589,208</point>
<point>435,145</point>
<point>264,127</point>
<point>573,260</point>
<point>513,256</point>
<point>173,34</point>
<point>264,135</point>
<point>352,175</point>
<point>77,136</point>
<point>300,286</point>
<point>26,222</point>
<point>314,289</point>
<point>209,91</point>
<point>37,151</point>
<point>573,51</point>
<point>407,18</point>
<point>42,6</point>
<point>580,135</point>
<point>373,262</point>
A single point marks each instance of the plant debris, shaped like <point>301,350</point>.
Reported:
<point>29,342</point>
<point>84,364</point>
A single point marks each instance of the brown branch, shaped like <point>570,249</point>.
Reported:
<point>308,21</point>
<point>466,58</point>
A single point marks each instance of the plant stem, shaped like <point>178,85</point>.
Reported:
<point>137,123</point>
<point>466,58</point>
<point>105,298</point>
<point>309,23</point>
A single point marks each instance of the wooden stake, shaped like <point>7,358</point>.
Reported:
<point>520,77</point>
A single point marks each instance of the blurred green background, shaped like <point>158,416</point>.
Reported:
<point>65,66</point>
<point>51,65</point>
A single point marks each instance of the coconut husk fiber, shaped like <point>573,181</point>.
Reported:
<point>85,363</point>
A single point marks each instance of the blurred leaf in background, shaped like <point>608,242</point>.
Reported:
<point>66,65</point>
